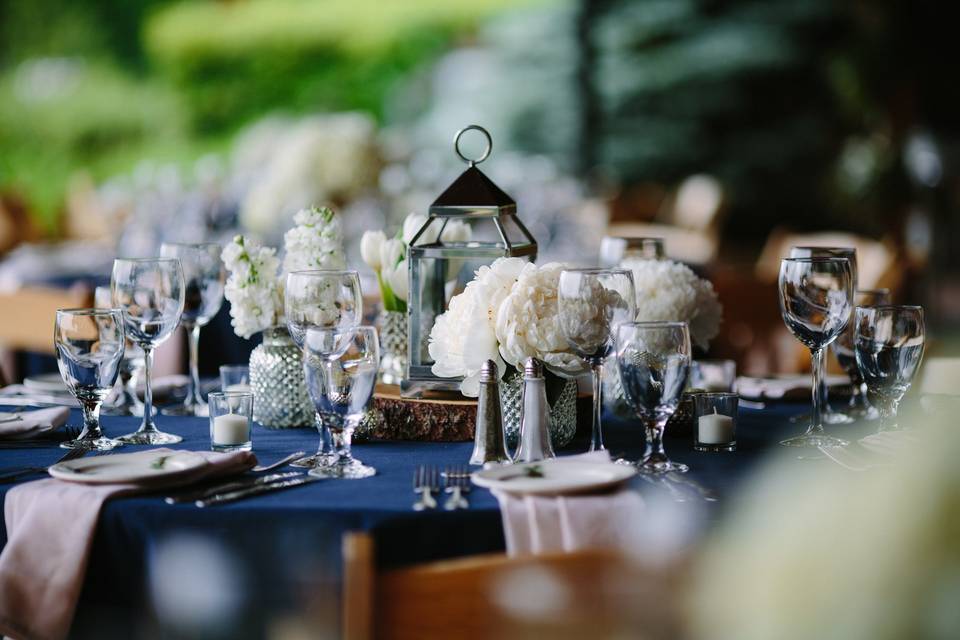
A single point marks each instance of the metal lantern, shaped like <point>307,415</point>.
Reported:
<point>435,264</point>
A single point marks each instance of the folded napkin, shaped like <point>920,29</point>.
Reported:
<point>545,524</point>
<point>33,423</point>
<point>50,527</point>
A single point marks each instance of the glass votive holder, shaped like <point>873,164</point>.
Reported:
<point>231,419</point>
<point>713,375</point>
<point>715,421</point>
<point>235,378</point>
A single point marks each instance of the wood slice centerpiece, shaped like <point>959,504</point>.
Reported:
<point>441,419</point>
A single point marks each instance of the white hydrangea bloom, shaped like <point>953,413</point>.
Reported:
<point>251,289</point>
<point>671,291</point>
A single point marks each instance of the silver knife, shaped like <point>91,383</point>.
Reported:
<point>232,485</point>
<point>239,494</point>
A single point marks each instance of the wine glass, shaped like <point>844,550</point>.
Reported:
<point>613,251</point>
<point>591,304</point>
<point>888,343</point>
<point>653,359</point>
<point>858,406</point>
<point>149,292</point>
<point>126,402</point>
<point>322,299</point>
<point>341,372</point>
<point>89,345</point>
<point>203,277</point>
<point>815,302</point>
<point>829,415</point>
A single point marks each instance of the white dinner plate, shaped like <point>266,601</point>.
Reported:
<point>122,468</point>
<point>46,383</point>
<point>557,477</point>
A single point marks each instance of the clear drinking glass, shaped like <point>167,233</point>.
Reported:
<point>126,402</point>
<point>321,299</point>
<point>203,277</point>
<point>653,359</point>
<point>829,415</point>
<point>888,343</point>
<point>341,372</point>
<point>231,418</point>
<point>89,345</point>
<point>149,292</point>
<point>591,304</point>
<point>614,250</point>
<point>815,301</point>
<point>858,406</point>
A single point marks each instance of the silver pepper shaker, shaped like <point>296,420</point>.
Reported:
<point>489,440</point>
<point>534,416</point>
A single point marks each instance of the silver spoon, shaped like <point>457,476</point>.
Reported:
<point>282,461</point>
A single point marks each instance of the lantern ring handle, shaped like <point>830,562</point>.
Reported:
<point>486,152</point>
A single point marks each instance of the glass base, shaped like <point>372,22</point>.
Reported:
<point>352,469</point>
<point>661,465</point>
<point>829,417</point>
<point>125,410</point>
<point>723,446</point>
<point>243,446</point>
<point>195,410</point>
<point>814,441</point>
<point>322,460</point>
<point>150,437</point>
<point>92,444</point>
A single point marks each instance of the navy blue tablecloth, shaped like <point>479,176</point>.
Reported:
<point>284,548</point>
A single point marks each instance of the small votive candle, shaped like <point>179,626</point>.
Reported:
<point>715,420</point>
<point>231,417</point>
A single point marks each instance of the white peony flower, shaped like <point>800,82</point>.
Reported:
<point>464,337</point>
<point>528,324</point>
<point>316,242</point>
<point>671,291</point>
<point>370,245</point>
<point>398,279</point>
<point>251,289</point>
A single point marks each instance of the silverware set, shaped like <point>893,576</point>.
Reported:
<point>15,474</point>
<point>46,440</point>
<point>454,481</point>
<point>244,486</point>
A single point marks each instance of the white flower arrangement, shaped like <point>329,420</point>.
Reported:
<point>671,291</point>
<point>388,256</point>
<point>507,313</point>
<point>255,286</point>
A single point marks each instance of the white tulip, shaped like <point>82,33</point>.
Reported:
<point>456,231</point>
<point>413,223</point>
<point>370,247</point>
<point>391,252</point>
<point>398,280</point>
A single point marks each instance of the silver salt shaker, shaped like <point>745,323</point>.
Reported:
<point>489,440</point>
<point>534,416</point>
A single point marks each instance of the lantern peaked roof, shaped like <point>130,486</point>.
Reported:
<point>474,190</point>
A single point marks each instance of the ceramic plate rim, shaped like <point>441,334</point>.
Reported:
<point>622,473</point>
<point>64,470</point>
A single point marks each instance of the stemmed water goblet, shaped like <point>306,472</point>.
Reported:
<point>850,253</point>
<point>126,402</point>
<point>149,293</point>
<point>591,303</point>
<point>89,345</point>
<point>888,343</point>
<point>653,359</point>
<point>815,302</point>
<point>203,278</point>
<point>321,299</point>
<point>341,372</point>
<point>858,407</point>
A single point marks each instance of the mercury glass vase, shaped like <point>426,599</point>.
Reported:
<point>280,399</point>
<point>563,410</point>
<point>393,346</point>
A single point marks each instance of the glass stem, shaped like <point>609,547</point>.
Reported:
<point>824,401</point>
<point>193,398</point>
<point>91,420</point>
<point>131,387</point>
<point>654,428</point>
<point>819,391</point>
<point>147,424</point>
<point>596,435</point>
<point>325,448</point>
<point>888,414</point>
<point>341,444</point>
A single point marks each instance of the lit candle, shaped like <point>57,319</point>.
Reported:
<point>715,428</point>
<point>231,429</point>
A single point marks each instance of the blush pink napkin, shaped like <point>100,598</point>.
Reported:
<point>34,423</point>
<point>50,527</point>
<point>546,524</point>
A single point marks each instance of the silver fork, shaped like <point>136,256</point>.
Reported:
<point>72,454</point>
<point>425,482</point>
<point>279,463</point>
<point>456,482</point>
